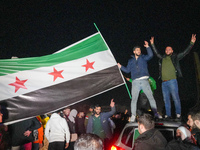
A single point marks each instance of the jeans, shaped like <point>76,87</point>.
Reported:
<point>171,88</point>
<point>138,85</point>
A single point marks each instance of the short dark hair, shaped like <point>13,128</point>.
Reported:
<point>92,106</point>
<point>97,105</point>
<point>136,47</point>
<point>88,142</point>
<point>147,120</point>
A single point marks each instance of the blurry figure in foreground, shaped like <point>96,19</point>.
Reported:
<point>183,140</point>
<point>88,142</point>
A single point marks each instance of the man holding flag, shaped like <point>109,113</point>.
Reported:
<point>137,66</point>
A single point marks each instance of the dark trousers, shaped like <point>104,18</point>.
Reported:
<point>35,146</point>
<point>56,146</point>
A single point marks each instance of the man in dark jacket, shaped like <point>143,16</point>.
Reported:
<point>194,123</point>
<point>22,132</point>
<point>149,138</point>
<point>137,66</point>
<point>169,68</point>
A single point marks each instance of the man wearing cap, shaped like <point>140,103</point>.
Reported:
<point>138,68</point>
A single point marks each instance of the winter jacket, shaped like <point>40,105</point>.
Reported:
<point>196,134</point>
<point>18,129</point>
<point>181,145</point>
<point>139,67</point>
<point>104,122</point>
<point>150,140</point>
<point>174,57</point>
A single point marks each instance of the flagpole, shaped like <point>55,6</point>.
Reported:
<point>116,62</point>
<point>96,27</point>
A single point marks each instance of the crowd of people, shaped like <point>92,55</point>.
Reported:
<point>61,129</point>
<point>72,130</point>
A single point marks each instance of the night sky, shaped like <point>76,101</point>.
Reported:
<point>36,28</point>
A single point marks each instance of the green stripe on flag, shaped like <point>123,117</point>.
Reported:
<point>78,50</point>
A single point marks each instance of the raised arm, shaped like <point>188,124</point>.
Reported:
<point>154,48</point>
<point>113,109</point>
<point>149,51</point>
<point>187,50</point>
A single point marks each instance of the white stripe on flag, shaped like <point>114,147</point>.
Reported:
<point>39,78</point>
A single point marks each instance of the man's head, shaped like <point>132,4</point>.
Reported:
<point>168,50</point>
<point>145,122</point>
<point>182,133</point>
<point>194,119</point>
<point>88,142</point>
<point>81,114</point>
<point>66,111</point>
<point>137,50</point>
<point>97,109</point>
<point>91,109</point>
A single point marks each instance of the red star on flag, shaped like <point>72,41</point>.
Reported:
<point>19,84</point>
<point>88,65</point>
<point>56,74</point>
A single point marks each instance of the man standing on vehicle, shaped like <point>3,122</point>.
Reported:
<point>137,65</point>
<point>169,68</point>
<point>149,138</point>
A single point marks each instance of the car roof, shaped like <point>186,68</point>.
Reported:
<point>159,123</point>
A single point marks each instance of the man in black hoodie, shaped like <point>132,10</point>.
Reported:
<point>149,138</point>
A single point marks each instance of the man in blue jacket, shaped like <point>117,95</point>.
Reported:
<point>99,124</point>
<point>137,66</point>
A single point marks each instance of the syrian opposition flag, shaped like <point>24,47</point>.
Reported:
<point>37,85</point>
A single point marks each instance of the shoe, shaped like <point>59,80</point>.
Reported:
<point>178,117</point>
<point>167,118</point>
<point>132,119</point>
<point>158,116</point>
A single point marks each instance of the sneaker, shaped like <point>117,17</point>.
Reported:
<point>132,119</point>
<point>178,117</point>
<point>167,118</point>
<point>158,116</point>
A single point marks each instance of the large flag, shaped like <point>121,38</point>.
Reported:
<point>37,85</point>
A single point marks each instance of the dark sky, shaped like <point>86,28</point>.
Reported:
<point>35,28</point>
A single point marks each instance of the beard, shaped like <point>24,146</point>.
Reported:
<point>97,113</point>
<point>194,129</point>
<point>169,54</point>
<point>138,54</point>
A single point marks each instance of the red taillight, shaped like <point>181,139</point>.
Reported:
<point>116,148</point>
<point>159,124</point>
